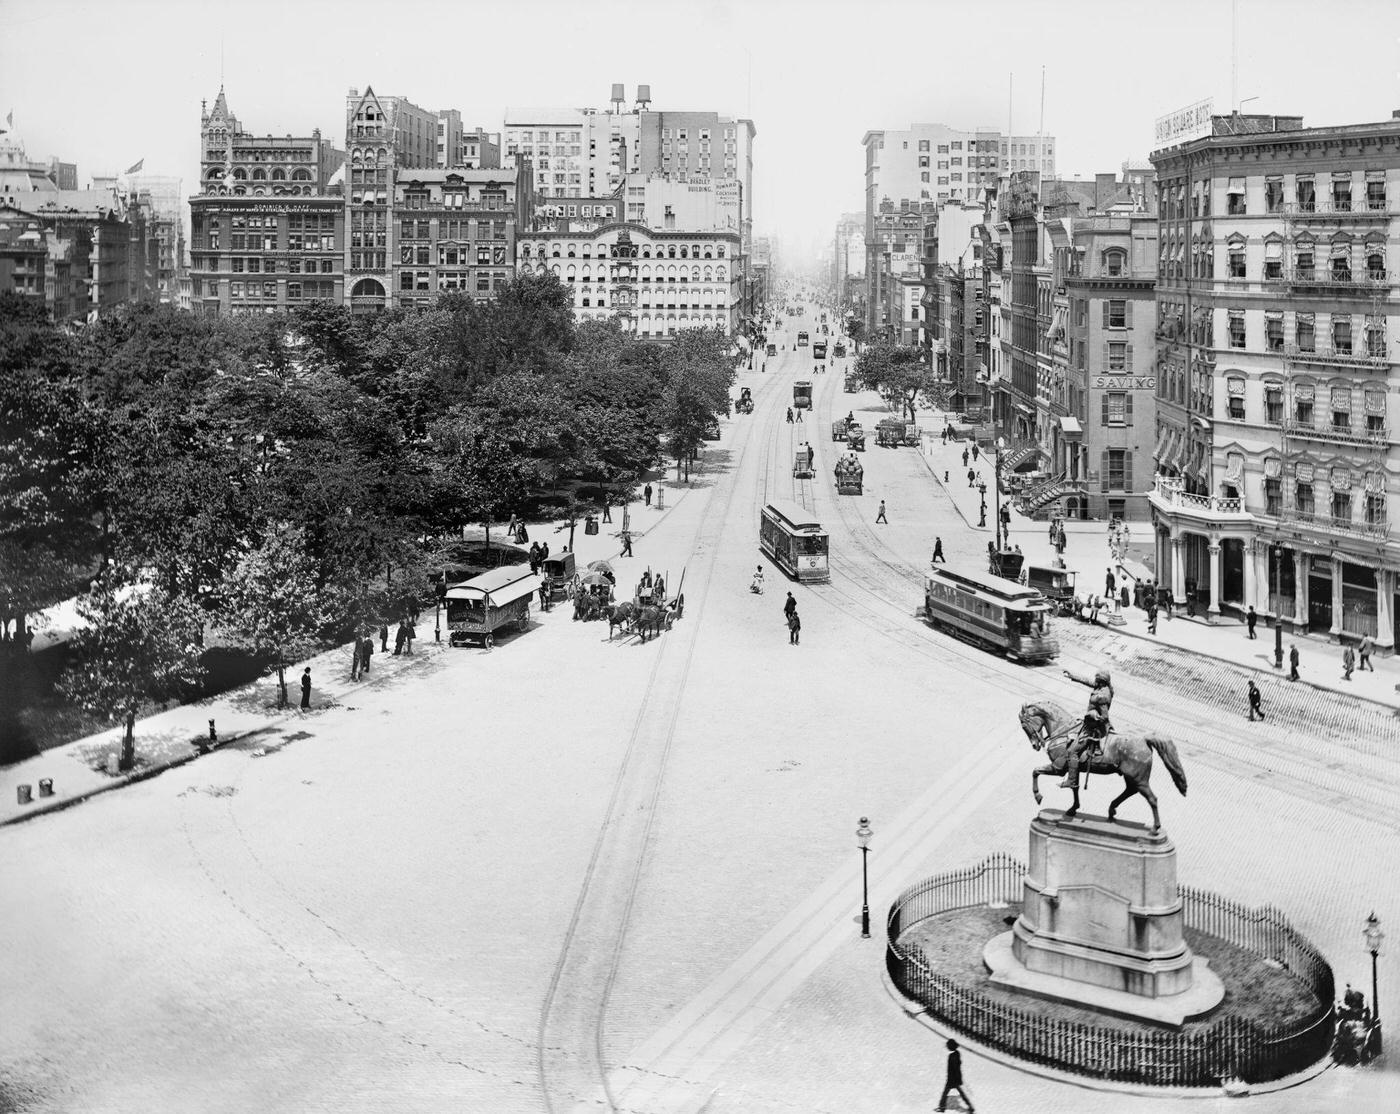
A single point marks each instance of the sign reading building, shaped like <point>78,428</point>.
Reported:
<point>1125,382</point>
<point>1190,122</point>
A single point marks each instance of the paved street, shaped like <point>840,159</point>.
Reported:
<point>489,880</point>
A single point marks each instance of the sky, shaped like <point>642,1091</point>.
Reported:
<point>104,83</point>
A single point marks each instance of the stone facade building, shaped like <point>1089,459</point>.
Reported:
<point>1277,315</point>
<point>653,282</point>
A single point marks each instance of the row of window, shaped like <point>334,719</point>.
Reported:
<point>453,229</point>
<point>667,252</point>
<point>485,281</point>
<point>1305,333</point>
<point>1336,414</point>
<point>1340,193</point>
<point>254,265</point>
<point>239,174</point>
<point>453,199</point>
<point>296,291</point>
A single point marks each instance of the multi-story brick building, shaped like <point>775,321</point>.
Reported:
<point>470,149</point>
<point>848,263</point>
<point>1277,310</point>
<point>653,282</point>
<point>455,231</point>
<point>267,227</point>
<point>937,164</point>
<point>894,247</point>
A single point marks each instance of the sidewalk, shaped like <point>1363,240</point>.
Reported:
<point>1087,555</point>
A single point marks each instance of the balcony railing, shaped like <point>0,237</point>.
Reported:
<point>1324,353</point>
<point>1341,434</point>
<point>1336,282</point>
<point>1169,492</point>
<point>1324,208</point>
<point>1326,523</point>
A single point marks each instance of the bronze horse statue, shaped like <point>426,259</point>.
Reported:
<point>1050,726</point>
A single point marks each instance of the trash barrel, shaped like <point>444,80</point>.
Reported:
<point>25,793</point>
<point>46,787</point>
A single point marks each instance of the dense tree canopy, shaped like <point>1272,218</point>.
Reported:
<point>180,451</point>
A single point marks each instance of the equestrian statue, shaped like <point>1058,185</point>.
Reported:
<point>1091,744</point>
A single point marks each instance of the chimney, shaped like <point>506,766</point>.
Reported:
<point>354,92</point>
<point>1395,114</point>
<point>644,97</point>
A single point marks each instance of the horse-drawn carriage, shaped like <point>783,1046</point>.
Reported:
<point>478,608</point>
<point>838,351</point>
<point>803,460</point>
<point>889,433</point>
<point>1055,584</point>
<point>558,572</point>
<point>851,386</point>
<point>838,429</point>
<point>911,435</point>
<point>850,476</point>
<point>745,403</point>
<point>855,437</point>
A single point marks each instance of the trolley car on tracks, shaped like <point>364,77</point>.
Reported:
<point>988,611</point>
<point>478,608</point>
<point>791,535</point>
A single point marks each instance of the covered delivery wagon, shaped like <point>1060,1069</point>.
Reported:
<point>478,608</point>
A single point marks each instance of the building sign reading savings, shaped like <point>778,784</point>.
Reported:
<point>1190,122</point>
<point>1125,382</point>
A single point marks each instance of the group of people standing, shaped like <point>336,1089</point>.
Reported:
<point>364,645</point>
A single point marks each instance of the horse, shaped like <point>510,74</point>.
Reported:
<point>650,618</point>
<point>1050,726</point>
<point>620,615</point>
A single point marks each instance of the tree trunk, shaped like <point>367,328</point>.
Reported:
<point>128,755</point>
<point>281,686</point>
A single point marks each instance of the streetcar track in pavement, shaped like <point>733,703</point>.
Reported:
<point>571,1063</point>
<point>1367,778</point>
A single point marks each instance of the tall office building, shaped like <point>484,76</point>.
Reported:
<point>267,225</point>
<point>1277,311</point>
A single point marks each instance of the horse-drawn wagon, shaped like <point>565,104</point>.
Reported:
<point>889,433</point>
<point>558,573</point>
<point>855,437</point>
<point>838,429</point>
<point>745,403</point>
<point>478,608</point>
<point>803,460</point>
<point>850,476</point>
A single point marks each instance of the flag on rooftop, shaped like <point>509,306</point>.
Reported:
<point>136,167</point>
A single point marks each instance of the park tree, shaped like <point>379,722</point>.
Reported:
<point>477,475</point>
<point>897,371</point>
<point>273,605</point>
<point>138,645</point>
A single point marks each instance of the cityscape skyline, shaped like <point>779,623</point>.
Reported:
<point>789,68</point>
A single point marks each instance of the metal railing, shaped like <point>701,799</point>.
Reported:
<point>1323,353</point>
<point>1325,208</point>
<point>1326,522</point>
<point>1172,493</point>
<point>1349,281</point>
<point>1345,434</point>
<point>1203,1055</point>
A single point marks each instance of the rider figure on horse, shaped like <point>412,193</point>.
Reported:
<point>1096,725</point>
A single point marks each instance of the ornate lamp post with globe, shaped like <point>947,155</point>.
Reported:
<point>1374,939</point>
<point>863,834</point>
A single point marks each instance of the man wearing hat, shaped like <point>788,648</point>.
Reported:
<point>1096,723</point>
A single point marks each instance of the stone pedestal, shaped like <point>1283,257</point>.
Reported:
<point>1101,924</point>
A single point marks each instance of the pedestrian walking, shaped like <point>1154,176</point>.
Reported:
<point>881,516</point>
<point>383,638</point>
<point>789,607</point>
<point>306,687</point>
<point>1366,648</point>
<point>945,475</point>
<point>798,419</point>
<point>1152,617</point>
<point>964,457</point>
<point>1348,663</point>
<point>954,1079</point>
<point>1250,619</point>
<point>1255,712</point>
<point>607,511</point>
<point>627,543</point>
<point>646,494</point>
<point>1170,601</point>
<point>938,552</point>
<point>794,628</point>
<point>1108,582</point>
<point>400,636</point>
<point>974,452</point>
<point>1123,597</point>
<point>971,477</point>
<point>544,552</point>
<point>1292,662</point>
<point>409,635</point>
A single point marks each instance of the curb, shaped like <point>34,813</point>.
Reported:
<point>934,473</point>
<point>1272,671</point>
<point>920,1014</point>
<point>115,783</point>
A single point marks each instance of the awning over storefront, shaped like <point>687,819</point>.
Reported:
<point>1070,427</point>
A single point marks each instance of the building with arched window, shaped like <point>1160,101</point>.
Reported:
<point>654,283</point>
<point>267,223</point>
<point>1277,305</point>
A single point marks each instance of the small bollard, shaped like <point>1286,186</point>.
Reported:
<point>25,793</point>
<point>46,787</point>
<point>213,735</point>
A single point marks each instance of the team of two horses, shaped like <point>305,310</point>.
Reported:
<point>633,619</point>
<point>1050,727</point>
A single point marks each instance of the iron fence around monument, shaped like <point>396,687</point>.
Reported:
<point>1231,1047</point>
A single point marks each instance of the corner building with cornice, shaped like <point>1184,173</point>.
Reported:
<point>654,283</point>
<point>1275,449</point>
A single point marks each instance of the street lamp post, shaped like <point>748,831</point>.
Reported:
<point>1374,938</point>
<point>996,484</point>
<point>863,834</point>
<point>1278,610</point>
